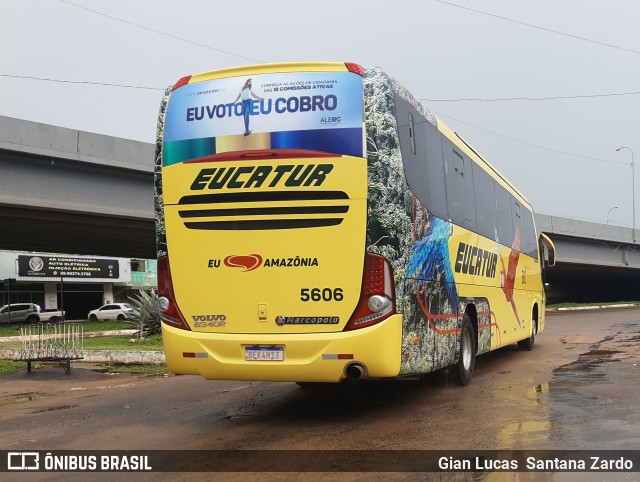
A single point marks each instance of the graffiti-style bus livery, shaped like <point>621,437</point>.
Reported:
<point>315,223</point>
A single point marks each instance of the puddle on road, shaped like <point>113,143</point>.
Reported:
<point>587,401</point>
<point>529,433</point>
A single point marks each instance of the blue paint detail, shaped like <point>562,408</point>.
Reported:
<point>430,256</point>
<point>345,141</point>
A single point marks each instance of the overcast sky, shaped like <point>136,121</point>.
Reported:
<point>561,153</point>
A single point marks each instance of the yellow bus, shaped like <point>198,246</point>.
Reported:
<point>315,223</point>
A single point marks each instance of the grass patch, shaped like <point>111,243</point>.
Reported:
<point>10,329</point>
<point>8,366</point>
<point>13,329</point>
<point>115,367</point>
<point>153,342</point>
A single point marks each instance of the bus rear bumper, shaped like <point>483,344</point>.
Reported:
<point>308,357</point>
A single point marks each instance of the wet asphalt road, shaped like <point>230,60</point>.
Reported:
<point>578,389</point>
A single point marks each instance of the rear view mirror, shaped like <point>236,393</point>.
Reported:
<point>549,249</point>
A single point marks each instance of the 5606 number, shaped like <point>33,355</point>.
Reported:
<point>321,294</point>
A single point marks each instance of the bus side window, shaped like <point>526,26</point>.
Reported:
<point>485,202</point>
<point>529,241</point>
<point>459,185</point>
<point>504,220</point>
<point>421,149</point>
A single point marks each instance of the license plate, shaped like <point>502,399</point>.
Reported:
<point>263,353</point>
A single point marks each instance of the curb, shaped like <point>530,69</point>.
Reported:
<point>103,356</point>
<point>593,307</point>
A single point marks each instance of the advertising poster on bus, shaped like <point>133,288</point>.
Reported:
<point>309,110</point>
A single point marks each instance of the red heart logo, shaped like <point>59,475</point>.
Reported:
<point>249,263</point>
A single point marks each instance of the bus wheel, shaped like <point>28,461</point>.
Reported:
<point>463,370</point>
<point>527,343</point>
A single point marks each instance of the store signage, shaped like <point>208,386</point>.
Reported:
<point>65,267</point>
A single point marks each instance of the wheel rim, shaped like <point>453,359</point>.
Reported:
<point>466,350</point>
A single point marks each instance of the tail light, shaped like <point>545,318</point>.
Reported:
<point>355,68</point>
<point>169,311</point>
<point>377,299</point>
<point>182,81</point>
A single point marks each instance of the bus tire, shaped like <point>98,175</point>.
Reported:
<point>463,370</point>
<point>527,343</point>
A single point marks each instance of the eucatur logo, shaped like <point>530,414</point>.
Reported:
<point>249,263</point>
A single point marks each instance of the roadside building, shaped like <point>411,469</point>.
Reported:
<point>75,283</point>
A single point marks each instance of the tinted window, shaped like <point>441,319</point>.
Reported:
<point>421,149</point>
<point>529,240</point>
<point>485,202</point>
<point>452,186</point>
<point>504,219</point>
<point>458,176</point>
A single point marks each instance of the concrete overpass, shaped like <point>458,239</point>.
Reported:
<point>595,261</point>
<point>69,191</point>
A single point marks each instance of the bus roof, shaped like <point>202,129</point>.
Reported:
<point>270,69</point>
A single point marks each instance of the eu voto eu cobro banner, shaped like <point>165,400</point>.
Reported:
<point>308,110</point>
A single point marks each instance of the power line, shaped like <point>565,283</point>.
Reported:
<point>497,99</point>
<point>175,37</point>
<point>62,81</point>
<point>559,97</point>
<point>440,114</point>
<point>539,28</point>
<point>531,144</point>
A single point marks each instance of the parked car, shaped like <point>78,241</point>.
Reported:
<point>19,312</point>
<point>112,311</point>
<point>50,316</point>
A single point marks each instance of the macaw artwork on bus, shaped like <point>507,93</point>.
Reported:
<point>417,242</point>
<point>508,275</point>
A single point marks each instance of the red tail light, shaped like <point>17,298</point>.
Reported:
<point>181,82</point>
<point>169,311</point>
<point>378,298</point>
<point>355,68</point>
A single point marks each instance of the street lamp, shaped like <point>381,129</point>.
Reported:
<point>633,192</point>
<point>609,213</point>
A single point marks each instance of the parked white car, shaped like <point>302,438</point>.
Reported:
<point>19,312</point>
<point>112,311</point>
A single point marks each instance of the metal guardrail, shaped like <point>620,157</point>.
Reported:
<point>51,342</point>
